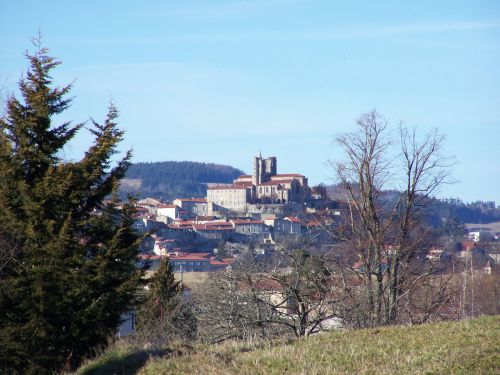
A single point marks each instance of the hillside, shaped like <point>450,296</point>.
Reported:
<point>175,179</point>
<point>449,211</point>
<point>466,347</point>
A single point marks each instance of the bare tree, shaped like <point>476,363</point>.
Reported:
<point>384,227</point>
<point>286,294</point>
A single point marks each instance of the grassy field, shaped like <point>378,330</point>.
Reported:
<point>466,347</point>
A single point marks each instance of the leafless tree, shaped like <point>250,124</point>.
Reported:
<point>288,293</point>
<point>177,323</point>
<point>388,193</point>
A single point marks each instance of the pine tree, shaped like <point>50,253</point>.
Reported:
<point>164,314</point>
<point>161,300</point>
<point>67,270</point>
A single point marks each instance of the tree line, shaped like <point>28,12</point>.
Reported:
<point>176,179</point>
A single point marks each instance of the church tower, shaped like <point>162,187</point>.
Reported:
<point>257,170</point>
<point>271,167</point>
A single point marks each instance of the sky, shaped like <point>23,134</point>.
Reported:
<point>222,80</point>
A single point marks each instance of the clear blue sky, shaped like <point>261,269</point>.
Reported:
<point>217,81</point>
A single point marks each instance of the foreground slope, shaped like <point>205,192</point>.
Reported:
<point>466,347</point>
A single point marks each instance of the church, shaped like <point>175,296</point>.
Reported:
<point>264,186</point>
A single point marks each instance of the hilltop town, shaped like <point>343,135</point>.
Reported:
<point>261,209</point>
<point>265,210</point>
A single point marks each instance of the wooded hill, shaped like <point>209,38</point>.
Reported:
<point>168,180</point>
<point>449,211</point>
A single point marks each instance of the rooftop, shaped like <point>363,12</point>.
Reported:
<point>167,206</point>
<point>227,187</point>
<point>195,200</point>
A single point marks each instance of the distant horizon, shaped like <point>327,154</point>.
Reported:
<point>330,183</point>
<point>218,80</point>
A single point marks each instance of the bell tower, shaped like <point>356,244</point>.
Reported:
<point>257,170</point>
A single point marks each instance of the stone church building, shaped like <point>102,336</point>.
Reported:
<point>264,186</point>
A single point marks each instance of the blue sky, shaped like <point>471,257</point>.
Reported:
<point>217,81</point>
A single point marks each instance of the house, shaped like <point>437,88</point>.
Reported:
<point>163,246</point>
<point>249,227</point>
<point>227,197</point>
<point>275,224</point>
<point>204,219</point>
<point>466,248</point>
<point>197,262</point>
<point>480,234</point>
<point>494,254</point>
<point>217,263</point>
<point>435,254</point>
<point>292,225</point>
<point>488,267</point>
<point>189,262</point>
<point>150,204</point>
<point>170,211</point>
<point>220,230</point>
<point>150,261</point>
<point>144,222</point>
<point>193,206</point>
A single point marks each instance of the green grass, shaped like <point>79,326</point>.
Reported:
<point>121,359</point>
<point>466,347</point>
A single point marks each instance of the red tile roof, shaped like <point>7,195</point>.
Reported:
<point>211,227</point>
<point>189,256</point>
<point>226,187</point>
<point>246,222</point>
<point>313,223</point>
<point>243,183</point>
<point>275,182</point>
<point>167,206</point>
<point>293,219</point>
<point>214,261</point>
<point>145,256</point>
<point>205,218</point>
<point>288,175</point>
<point>196,200</point>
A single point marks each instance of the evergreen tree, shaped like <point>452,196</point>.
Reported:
<point>68,271</point>
<point>163,291</point>
<point>164,315</point>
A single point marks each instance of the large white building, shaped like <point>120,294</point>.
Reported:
<point>264,186</point>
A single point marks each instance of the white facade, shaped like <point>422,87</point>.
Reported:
<point>168,210</point>
<point>231,197</point>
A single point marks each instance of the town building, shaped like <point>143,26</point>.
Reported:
<point>170,211</point>
<point>264,186</point>
<point>193,206</point>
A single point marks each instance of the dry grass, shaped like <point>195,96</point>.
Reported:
<point>466,347</point>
